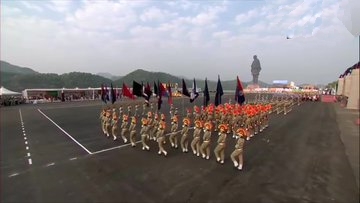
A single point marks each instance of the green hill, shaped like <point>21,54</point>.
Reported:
<point>141,75</point>
<point>18,78</point>
<point>6,67</point>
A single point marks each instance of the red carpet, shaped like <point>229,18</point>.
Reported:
<point>328,98</point>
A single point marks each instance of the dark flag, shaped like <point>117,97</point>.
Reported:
<point>170,101</point>
<point>147,92</point>
<point>103,94</point>
<point>112,94</point>
<point>206,94</point>
<point>194,94</point>
<point>239,93</point>
<point>156,89</point>
<point>137,89</point>
<point>126,92</point>
<point>160,88</point>
<point>63,96</point>
<point>106,94</point>
<point>184,89</point>
<point>219,92</point>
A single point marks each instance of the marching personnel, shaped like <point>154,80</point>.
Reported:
<point>145,104</point>
<point>144,132</point>
<point>173,136</point>
<point>102,118</point>
<point>237,155</point>
<point>172,111</point>
<point>136,111</point>
<point>184,142</point>
<point>160,135</point>
<point>205,146</point>
<point>152,107</point>
<point>121,111</point>
<point>221,143</point>
<point>129,110</point>
<point>188,113</point>
<point>124,128</point>
<point>155,125</point>
<point>195,144</point>
<point>108,122</point>
<point>132,131</point>
<point>150,123</point>
<point>115,127</point>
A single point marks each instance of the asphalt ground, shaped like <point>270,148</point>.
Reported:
<point>301,157</point>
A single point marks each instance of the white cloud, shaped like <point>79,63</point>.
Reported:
<point>120,36</point>
<point>60,6</point>
<point>103,16</point>
<point>245,17</point>
<point>156,14</point>
<point>32,6</point>
<point>7,11</point>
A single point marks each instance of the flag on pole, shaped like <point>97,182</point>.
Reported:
<point>194,94</point>
<point>147,92</point>
<point>206,94</point>
<point>106,94</point>
<point>239,92</point>
<point>156,89</point>
<point>219,92</point>
<point>137,89</point>
<point>103,93</point>
<point>159,94</point>
<point>184,89</point>
<point>170,101</point>
<point>126,92</point>
<point>112,94</point>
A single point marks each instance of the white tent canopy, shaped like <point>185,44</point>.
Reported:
<point>6,92</point>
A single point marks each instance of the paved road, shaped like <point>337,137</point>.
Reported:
<point>299,158</point>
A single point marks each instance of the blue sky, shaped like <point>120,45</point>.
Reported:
<point>185,38</point>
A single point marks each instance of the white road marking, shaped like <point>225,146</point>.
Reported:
<point>12,175</point>
<point>125,145</point>
<point>28,154</point>
<point>73,158</point>
<point>26,142</point>
<point>24,138</point>
<point>50,164</point>
<point>65,132</point>
<point>27,148</point>
<point>30,161</point>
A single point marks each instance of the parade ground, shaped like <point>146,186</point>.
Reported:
<point>56,152</point>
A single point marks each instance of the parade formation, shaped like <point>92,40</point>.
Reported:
<point>200,127</point>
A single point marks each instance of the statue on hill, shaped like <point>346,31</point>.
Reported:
<point>255,70</point>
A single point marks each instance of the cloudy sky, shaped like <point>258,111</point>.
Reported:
<point>197,38</point>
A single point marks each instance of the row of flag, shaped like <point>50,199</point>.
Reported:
<point>160,90</point>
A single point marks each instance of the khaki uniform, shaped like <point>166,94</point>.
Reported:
<point>184,142</point>
<point>108,123</point>
<point>154,130</point>
<point>102,121</point>
<point>144,132</point>
<point>124,128</point>
<point>221,144</point>
<point>195,144</point>
<point>205,146</point>
<point>115,127</point>
<point>161,137</point>
<point>237,155</point>
<point>173,136</point>
<point>132,131</point>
